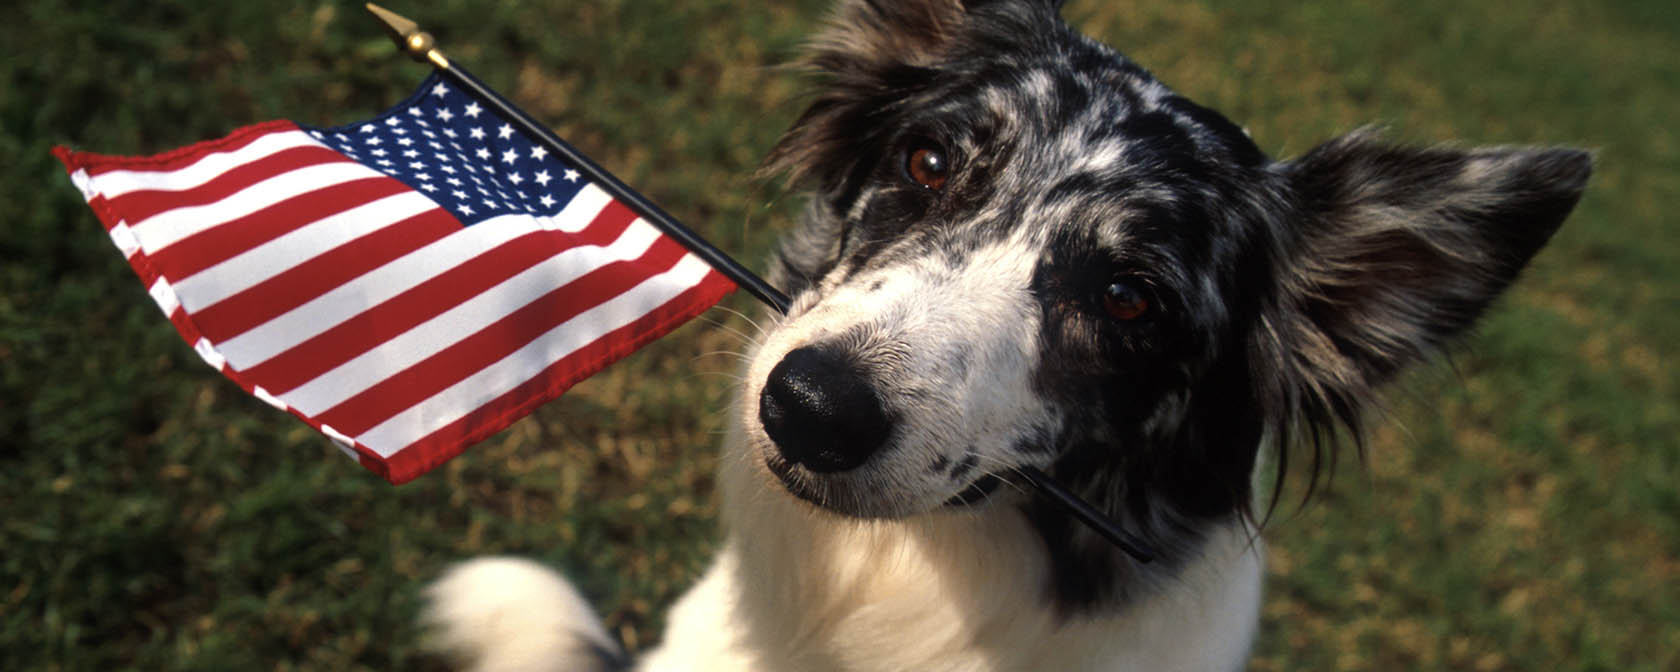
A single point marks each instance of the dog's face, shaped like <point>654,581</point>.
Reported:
<point>1023,250</point>
<point>1023,255</point>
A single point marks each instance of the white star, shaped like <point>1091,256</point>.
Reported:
<point>399,131</point>
<point>424,178</point>
<point>473,109</point>
<point>378,152</point>
<point>368,128</point>
<point>374,140</point>
<point>459,195</point>
<point>417,165</point>
<point>516,178</point>
<point>455,182</point>
<point>423,123</point>
<point>510,156</point>
<point>482,153</point>
<point>476,133</point>
<point>572,176</point>
<point>543,178</point>
<point>404,142</point>
<point>439,90</point>
<point>490,203</point>
<point>450,132</point>
<point>410,153</point>
<point>428,134</point>
<point>445,114</point>
<point>446,168</point>
<point>393,121</point>
<point>429,187</point>
<point>548,201</point>
<point>504,132</point>
<point>384,162</point>
<point>414,111</point>
<point>538,153</point>
<point>466,210</point>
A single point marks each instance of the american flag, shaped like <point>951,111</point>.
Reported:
<point>408,285</point>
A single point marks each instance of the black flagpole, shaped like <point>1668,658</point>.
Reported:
<point>419,45</point>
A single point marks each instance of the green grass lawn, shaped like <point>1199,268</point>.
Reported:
<point>1519,508</point>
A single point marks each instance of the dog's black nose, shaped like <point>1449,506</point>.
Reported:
<point>822,412</point>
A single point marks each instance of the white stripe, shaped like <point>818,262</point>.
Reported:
<point>124,238</point>
<point>119,182</point>
<point>208,353</point>
<point>245,270</point>
<point>165,297</point>
<point>271,400</point>
<point>349,452</point>
<point>589,200</point>
<point>345,444</point>
<point>172,226</point>
<point>83,183</point>
<point>300,324</point>
<point>466,319</point>
<point>474,391</point>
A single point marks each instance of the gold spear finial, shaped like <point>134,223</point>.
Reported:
<point>408,36</point>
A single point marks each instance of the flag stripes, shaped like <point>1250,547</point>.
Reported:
<point>401,325</point>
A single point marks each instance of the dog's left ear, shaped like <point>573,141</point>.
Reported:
<point>1401,249</point>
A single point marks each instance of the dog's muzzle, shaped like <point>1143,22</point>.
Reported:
<point>821,411</point>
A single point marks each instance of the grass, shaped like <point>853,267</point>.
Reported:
<point>1519,509</point>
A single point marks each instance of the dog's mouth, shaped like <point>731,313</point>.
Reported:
<point>978,491</point>
<point>863,496</point>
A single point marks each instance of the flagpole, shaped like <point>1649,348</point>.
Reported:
<point>419,45</point>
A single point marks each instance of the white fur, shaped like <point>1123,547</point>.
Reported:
<point>799,589</point>
<point>796,588</point>
<point>512,615</point>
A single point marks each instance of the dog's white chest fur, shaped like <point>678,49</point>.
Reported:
<point>795,589</point>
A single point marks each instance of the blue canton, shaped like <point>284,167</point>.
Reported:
<point>445,144</point>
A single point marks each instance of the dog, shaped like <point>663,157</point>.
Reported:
<point>1022,250</point>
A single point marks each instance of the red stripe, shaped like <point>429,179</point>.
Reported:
<point>225,241</point>
<point>96,164</point>
<point>497,340</point>
<point>139,205</point>
<point>301,284</point>
<point>494,416</point>
<point>436,294</point>
<point>141,264</point>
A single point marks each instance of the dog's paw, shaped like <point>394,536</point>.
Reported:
<point>514,615</point>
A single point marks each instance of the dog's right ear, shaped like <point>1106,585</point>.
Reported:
<point>871,55</point>
<point>882,33</point>
<point>866,52</point>
<point>873,34</point>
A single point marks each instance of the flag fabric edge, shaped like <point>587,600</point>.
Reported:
<point>407,464</point>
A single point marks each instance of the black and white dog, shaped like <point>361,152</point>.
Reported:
<point>1023,250</point>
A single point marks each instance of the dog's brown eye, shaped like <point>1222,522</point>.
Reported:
<point>1125,301</point>
<point>928,167</point>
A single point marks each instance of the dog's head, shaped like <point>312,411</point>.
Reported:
<point>1023,249</point>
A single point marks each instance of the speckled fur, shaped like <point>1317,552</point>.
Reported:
<point>1281,294</point>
